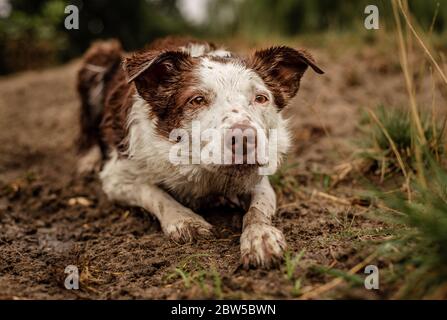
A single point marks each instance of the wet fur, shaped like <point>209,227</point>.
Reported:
<point>131,103</point>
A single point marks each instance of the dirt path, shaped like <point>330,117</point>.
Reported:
<point>121,252</point>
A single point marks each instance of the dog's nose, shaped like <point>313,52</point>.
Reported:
<point>242,141</point>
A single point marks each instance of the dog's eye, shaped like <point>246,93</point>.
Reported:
<point>198,101</point>
<point>261,99</point>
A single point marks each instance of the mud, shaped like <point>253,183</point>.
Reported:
<point>50,218</point>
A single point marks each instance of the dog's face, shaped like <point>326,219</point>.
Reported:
<point>233,103</point>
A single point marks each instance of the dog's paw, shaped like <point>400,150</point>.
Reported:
<point>187,229</point>
<point>262,245</point>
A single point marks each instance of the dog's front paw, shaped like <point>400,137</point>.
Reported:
<point>262,245</point>
<point>187,229</point>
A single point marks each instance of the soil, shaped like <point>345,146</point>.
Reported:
<point>50,218</point>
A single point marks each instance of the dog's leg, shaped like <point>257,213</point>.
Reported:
<point>90,161</point>
<point>262,245</point>
<point>179,223</point>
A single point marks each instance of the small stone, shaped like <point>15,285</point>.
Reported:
<point>82,201</point>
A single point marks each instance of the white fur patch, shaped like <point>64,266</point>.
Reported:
<point>262,245</point>
<point>220,53</point>
<point>234,88</point>
<point>90,160</point>
<point>198,50</point>
<point>195,50</point>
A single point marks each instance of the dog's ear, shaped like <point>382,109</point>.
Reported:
<point>281,68</point>
<point>154,71</point>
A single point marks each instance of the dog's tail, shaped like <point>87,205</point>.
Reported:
<point>99,62</point>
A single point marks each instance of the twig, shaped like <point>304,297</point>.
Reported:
<point>332,198</point>
<point>288,205</point>
<point>347,202</point>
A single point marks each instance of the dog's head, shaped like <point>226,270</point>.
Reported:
<point>234,104</point>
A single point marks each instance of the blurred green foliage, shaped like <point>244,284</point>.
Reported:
<point>33,35</point>
<point>291,17</point>
<point>29,38</point>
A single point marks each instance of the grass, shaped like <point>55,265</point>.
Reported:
<point>285,183</point>
<point>408,143</point>
<point>350,278</point>
<point>291,263</point>
<point>186,277</point>
<point>282,180</point>
<point>389,134</point>
<point>405,142</point>
<point>423,246</point>
<point>193,271</point>
<point>217,283</point>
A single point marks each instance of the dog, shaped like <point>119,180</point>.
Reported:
<point>132,103</point>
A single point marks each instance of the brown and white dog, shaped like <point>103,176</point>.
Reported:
<point>132,104</point>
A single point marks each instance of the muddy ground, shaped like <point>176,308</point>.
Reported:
<point>50,218</point>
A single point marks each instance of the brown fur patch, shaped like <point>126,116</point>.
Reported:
<point>117,106</point>
<point>173,43</point>
<point>281,68</point>
<point>163,76</point>
<point>100,61</point>
<point>166,80</point>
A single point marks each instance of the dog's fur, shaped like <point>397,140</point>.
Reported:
<point>132,103</point>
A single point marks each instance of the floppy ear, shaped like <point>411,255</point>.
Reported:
<point>281,68</point>
<point>154,72</point>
